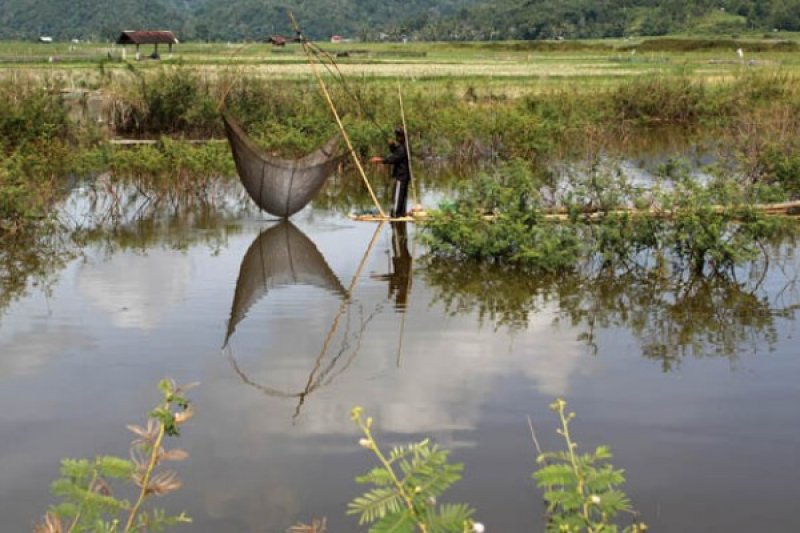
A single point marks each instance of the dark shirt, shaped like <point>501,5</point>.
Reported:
<point>398,158</point>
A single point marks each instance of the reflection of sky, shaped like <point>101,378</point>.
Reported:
<point>135,290</point>
<point>454,369</point>
<point>77,366</point>
<point>27,351</point>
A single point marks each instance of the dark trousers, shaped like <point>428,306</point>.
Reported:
<point>399,197</point>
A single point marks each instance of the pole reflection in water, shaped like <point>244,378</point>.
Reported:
<point>282,256</point>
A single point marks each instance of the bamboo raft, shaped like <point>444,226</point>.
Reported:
<point>791,209</point>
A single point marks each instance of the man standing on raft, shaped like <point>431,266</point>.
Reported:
<point>401,173</point>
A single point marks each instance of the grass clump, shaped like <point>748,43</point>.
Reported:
<point>35,153</point>
<point>171,101</point>
<point>660,99</point>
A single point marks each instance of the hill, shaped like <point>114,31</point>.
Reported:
<point>87,19</point>
<point>368,19</point>
<point>213,20</point>
<point>584,19</point>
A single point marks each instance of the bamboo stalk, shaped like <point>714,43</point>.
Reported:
<point>789,209</point>
<point>778,209</point>
<point>408,146</point>
<point>328,98</point>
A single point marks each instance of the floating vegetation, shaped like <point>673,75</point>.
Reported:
<point>504,217</point>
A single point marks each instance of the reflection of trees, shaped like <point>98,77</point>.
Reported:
<point>31,259</point>
<point>671,317</point>
<point>500,296</point>
<point>118,217</point>
<point>114,218</point>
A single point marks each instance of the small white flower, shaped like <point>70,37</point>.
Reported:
<point>477,527</point>
<point>364,443</point>
<point>595,499</point>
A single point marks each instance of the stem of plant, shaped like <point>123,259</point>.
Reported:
<point>388,467</point>
<point>75,520</point>
<point>146,479</point>
<point>573,461</point>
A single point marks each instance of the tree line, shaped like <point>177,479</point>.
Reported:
<point>102,20</point>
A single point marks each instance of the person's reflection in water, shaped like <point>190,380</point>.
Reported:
<point>400,277</point>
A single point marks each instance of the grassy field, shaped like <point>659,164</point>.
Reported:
<point>505,67</point>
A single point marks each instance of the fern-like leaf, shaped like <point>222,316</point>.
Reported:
<point>450,518</point>
<point>401,522</point>
<point>375,504</point>
<point>555,475</point>
<point>376,476</point>
<point>604,478</point>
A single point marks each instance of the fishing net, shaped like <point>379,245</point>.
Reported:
<point>281,187</point>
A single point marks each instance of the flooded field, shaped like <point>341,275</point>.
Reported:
<point>287,326</point>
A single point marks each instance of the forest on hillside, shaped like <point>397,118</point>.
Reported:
<point>102,20</point>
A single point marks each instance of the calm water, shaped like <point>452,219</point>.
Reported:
<point>695,387</point>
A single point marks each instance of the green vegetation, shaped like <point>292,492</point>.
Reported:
<point>423,19</point>
<point>544,19</point>
<point>89,503</point>
<point>530,129</point>
<point>581,489</point>
<point>34,137</point>
<point>501,218</point>
<point>205,20</point>
<point>407,484</point>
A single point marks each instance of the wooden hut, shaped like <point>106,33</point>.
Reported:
<point>277,40</point>
<point>148,37</point>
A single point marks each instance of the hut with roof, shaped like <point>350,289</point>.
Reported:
<point>148,37</point>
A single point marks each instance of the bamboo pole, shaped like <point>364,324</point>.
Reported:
<point>328,98</point>
<point>787,209</point>
<point>408,146</point>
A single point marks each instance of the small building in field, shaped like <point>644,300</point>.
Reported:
<point>277,40</point>
<point>337,39</point>
<point>148,37</point>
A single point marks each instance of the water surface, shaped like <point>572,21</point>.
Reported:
<point>287,327</point>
